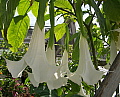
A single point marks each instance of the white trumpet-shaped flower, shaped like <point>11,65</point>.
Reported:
<point>41,69</point>
<point>35,58</point>
<point>50,54</point>
<point>32,80</point>
<point>66,72</point>
<point>113,51</point>
<point>118,42</point>
<point>59,78</point>
<point>85,68</point>
<point>16,67</point>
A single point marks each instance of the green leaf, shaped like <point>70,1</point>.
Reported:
<point>59,91</point>
<point>54,93</point>
<point>23,7</point>
<point>41,12</point>
<point>59,31</point>
<point>17,31</point>
<point>112,9</point>
<point>2,7</point>
<point>51,9</point>
<point>47,17</point>
<point>8,8</point>
<point>63,4</point>
<point>79,15</point>
<point>73,36</point>
<point>88,19</point>
<point>35,8</point>
<point>99,16</point>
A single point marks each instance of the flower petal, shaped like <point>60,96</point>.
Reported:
<point>36,57</point>
<point>50,54</point>
<point>16,67</point>
<point>75,78</point>
<point>56,83</point>
<point>85,68</point>
<point>32,80</point>
<point>113,51</point>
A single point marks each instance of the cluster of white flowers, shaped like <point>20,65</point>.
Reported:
<point>44,68</point>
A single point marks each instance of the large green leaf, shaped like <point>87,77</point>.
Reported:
<point>79,15</point>
<point>11,7</point>
<point>112,9</point>
<point>23,7</point>
<point>2,7</point>
<point>59,31</point>
<point>8,7</point>
<point>2,11</point>
<point>63,4</point>
<point>41,12</point>
<point>35,8</point>
<point>99,16</point>
<point>17,31</point>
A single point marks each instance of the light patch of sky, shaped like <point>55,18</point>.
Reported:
<point>59,20</point>
<point>47,23</point>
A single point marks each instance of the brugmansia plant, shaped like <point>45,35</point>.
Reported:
<point>78,73</point>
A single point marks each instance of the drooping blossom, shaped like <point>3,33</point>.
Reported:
<point>35,58</point>
<point>16,67</point>
<point>58,79</point>
<point>86,68</point>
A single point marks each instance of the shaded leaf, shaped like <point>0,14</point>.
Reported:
<point>100,17</point>
<point>41,12</point>
<point>88,19</point>
<point>79,15</point>
<point>112,9</point>
<point>8,8</point>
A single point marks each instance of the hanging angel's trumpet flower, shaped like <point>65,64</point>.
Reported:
<point>16,67</point>
<point>113,53</point>
<point>50,54</point>
<point>32,80</point>
<point>35,58</point>
<point>41,69</point>
<point>85,68</point>
<point>118,42</point>
<point>58,79</point>
<point>64,71</point>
